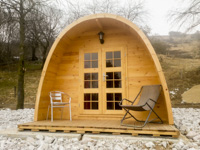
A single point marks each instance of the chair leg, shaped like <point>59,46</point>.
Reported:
<point>51,113</point>
<point>70,113</point>
<point>145,122</point>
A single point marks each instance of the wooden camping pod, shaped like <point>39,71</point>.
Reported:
<point>78,53</point>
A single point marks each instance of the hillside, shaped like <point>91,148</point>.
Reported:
<point>180,60</point>
<point>179,57</point>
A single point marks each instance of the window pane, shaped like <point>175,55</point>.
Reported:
<point>86,97</point>
<point>117,54</point>
<point>94,105</point>
<point>94,84</point>
<point>117,75</point>
<point>87,76</point>
<point>118,96</point>
<point>86,105</point>
<point>117,84</point>
<point>109,55</point>
<point>109,75</point>
<point>87,64</point>
<point>117,63</point>
<point>110,105</point>
<point>109,96</point>
<point>94,56</point>
<point>95,97</point>
<point>109,84</point>
<point>94,76</point>
<point>87,56</point>
<point>94,64</point>
<point>87,84</point>
<point>109,63</point>
<point>117,107</point>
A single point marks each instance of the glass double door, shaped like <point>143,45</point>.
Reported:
<point>102,84</point>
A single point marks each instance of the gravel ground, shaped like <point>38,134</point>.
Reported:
<point>187,120</point>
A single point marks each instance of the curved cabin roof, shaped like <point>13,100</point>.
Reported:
<point>100,22</point>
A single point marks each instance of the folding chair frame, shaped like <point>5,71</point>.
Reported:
<point>146,121</point>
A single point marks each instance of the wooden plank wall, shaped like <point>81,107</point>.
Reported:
<point>64,75</point>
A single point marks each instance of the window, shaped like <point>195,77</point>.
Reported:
<point>91,60</point>
<point>113,59</point>
<point>113,100</point>
<point>90,80</point>
<point>113,80</point>
<point>91,100</point>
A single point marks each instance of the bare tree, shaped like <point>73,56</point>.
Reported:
<point>130,9</point>
<point>18,11</point>
<point>45,28</point>
<point>187,17</point>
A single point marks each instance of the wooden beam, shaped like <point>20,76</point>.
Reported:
<point>99,24</point>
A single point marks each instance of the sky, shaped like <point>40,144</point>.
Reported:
<point>158,19</point>
<point>158,15</point>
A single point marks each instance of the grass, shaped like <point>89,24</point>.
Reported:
<point>8,84</point>
<point>181,74</point>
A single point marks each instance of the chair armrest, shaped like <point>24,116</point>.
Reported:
<point>120,103</point>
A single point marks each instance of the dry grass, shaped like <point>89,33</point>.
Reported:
<point>8,84</point>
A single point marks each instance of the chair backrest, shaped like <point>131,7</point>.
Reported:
<point>55,96</point>
<point>149,92</point>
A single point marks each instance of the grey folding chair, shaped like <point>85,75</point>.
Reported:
<point>148,97</point>
<point>56,100</point>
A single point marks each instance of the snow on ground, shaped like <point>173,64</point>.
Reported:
<point>187,120</point>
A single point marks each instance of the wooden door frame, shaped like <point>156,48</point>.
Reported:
<point>123,75</point>
<point>101,88</point>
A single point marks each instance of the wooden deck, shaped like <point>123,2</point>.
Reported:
<point>100,126</point>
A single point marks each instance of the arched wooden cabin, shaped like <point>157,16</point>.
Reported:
<point>77,63</point>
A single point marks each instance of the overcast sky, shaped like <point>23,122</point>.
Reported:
<point>158,10</point>
<point>158,15</point>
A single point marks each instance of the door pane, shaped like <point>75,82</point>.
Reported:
<point>110,106</point>
<point>86,97</point>
<point>117,54</point>
<point>109,63</point>
<point>109,84</point>
<point>86,105</point>
<point>109,96</point>
<point>117,75</point>
<point>118,96</point>
<point>94,105</point>
<point>94,97</point>
<point>117,107</point>
<point>91,101</point>
<point>94,84</point>
<point>94,64</point>
<point>94,56</point>
<point>87,76</point>
<point>87,84</point>
<point>94,76</point>
<point>117,63</point>
<point>109,75</point>
<point>113,59</point>
<point>87,64</point>
<point>117,84</point>
<point>87,56</point>
<point>109,55</point>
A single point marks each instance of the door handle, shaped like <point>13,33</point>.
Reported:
<point>104,76</point>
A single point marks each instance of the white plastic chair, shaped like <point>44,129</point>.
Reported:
<point>56,100</point>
